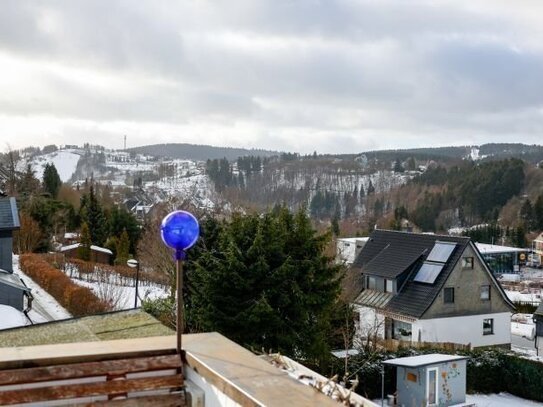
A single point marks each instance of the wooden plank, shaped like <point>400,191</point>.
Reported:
<point>169,400</point>
<point>89,369</point>
<point>90,389</point>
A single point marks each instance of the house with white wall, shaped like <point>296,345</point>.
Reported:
<point>429,288</point>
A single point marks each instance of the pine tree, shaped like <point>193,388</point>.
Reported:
<point>93,214</point>
<point>51,180</point>
<point>123,247</point>
<point>371,188</point>
<point>538,213</point>
<point>84,252</point>
<point>265,281</point>
<point>527,215</point>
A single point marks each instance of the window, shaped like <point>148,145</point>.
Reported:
<point>431,386</point>
<point>412,377</point>
<point>370,283</point>
<point>389,286</point>
<point>448,295</point>
<point>467,263</point>
<point>485,292</point>
<point>488,326</point>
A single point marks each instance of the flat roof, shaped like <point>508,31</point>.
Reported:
<point>486,248</point>
<point>423,360</point>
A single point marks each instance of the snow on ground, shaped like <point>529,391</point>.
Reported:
<point>499,400</point>
<point>65,162</point>
<point>517,296</point>
<point>44,307</point>
<point>525,330</point>
<point>527,353</point>
<point>11,317</point>
<point>123,296</point>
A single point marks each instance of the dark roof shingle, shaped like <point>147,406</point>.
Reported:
<point>9,217</point>
<point>391,253</point>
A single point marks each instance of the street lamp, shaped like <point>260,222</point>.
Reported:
<point>133,263</point>
<point>180,231</point>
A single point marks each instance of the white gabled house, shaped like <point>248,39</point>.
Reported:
<point>429,288</point>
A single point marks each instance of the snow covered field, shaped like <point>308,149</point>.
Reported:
<point>499,400</point>
<point>122,297</point>
<point>65,162</point>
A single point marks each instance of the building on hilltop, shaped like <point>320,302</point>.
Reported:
<point>428,288</point>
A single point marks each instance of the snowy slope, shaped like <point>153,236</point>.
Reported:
<point>65,162</point>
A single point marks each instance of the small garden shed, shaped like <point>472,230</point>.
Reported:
<point>430,380</point>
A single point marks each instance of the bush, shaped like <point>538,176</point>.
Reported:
<point>489,370</point>
<point>79,301</point>
<point>163,309</point>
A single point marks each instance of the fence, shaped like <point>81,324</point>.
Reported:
<point>94,272</point>
<point>393,345</point>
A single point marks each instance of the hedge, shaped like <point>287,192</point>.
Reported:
<point>79,301</point>
<point>488,371</point>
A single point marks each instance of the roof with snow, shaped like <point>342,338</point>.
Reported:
<point>108,326</point>
<point>485,248</point>
<point>12,280</point>
<point>11,317</point>
<point>9,216</point>
<point>93,247</point>
<point>423,360</point>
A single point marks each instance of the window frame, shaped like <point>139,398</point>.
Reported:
<point>445,291</point>
<point>391,285</point>
<point>468,260</point>
<point>487,286</point>
<point>491,332</point>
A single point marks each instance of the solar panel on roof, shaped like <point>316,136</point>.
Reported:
<point>441,252</point>
<point>428,272</point>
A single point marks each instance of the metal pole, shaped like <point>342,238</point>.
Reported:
<point>137,280</point>
<point>179,325</point>
<point>382,386</point>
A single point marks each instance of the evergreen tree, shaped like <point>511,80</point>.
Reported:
<point>398,166</point>
<point>123,249</point>
<point>527,215</point>
<point>538,213</point>
<point>28,184</point>
<point>84,252</point>
<point>51,180</point>
<point>371,188</point>
<point>93,215</point>
<point>335,225</point>
<point>265,281</point>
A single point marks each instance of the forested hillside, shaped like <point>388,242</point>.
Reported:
<point>198,152</point>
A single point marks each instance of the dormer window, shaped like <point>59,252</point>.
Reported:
<point>389,286</point>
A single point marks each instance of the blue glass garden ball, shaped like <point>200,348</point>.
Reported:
<point>180,230</point>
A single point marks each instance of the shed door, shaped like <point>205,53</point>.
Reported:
<point>431,386</point>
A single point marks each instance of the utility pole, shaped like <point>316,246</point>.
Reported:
<point>125,142</point>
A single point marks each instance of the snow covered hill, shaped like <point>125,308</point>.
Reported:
<point>65,162</point>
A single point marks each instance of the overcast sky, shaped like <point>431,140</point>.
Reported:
<point>304,75</point>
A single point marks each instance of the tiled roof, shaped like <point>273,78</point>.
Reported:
<point>390,253</point>
<point>9,217</point>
